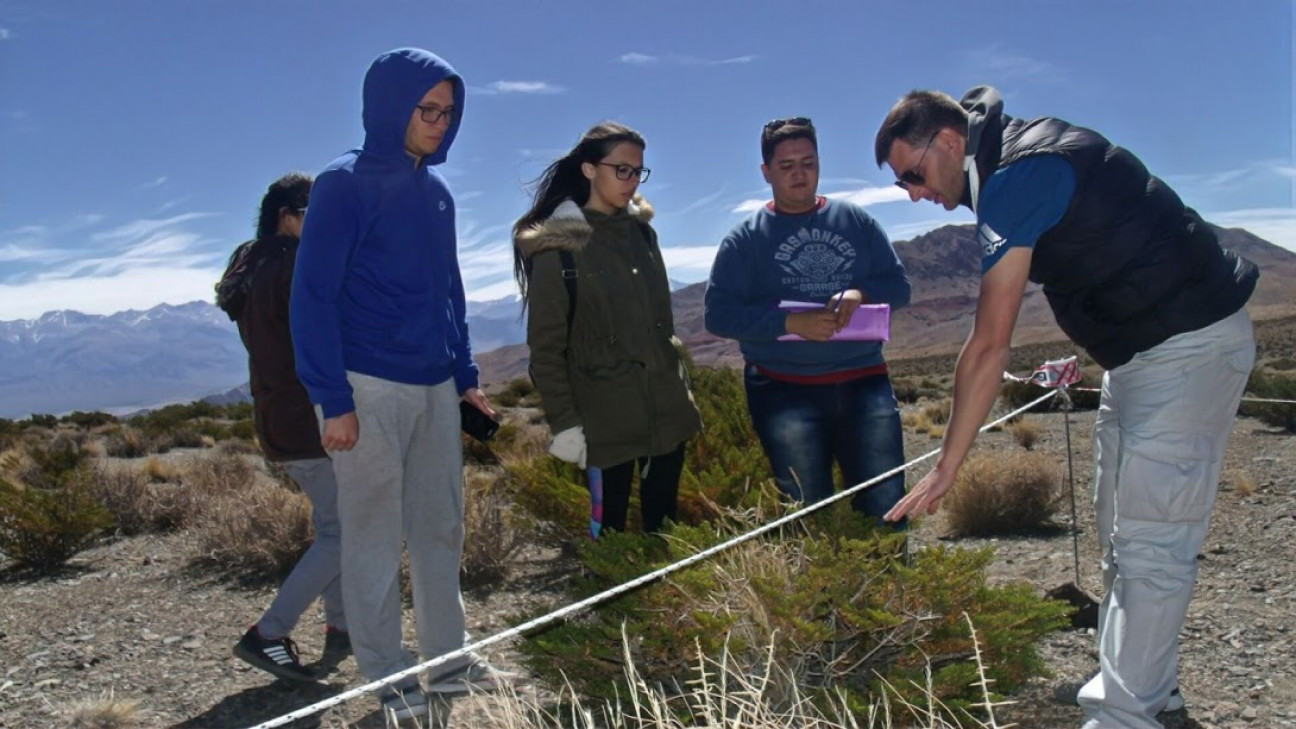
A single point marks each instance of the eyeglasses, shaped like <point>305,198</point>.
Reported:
<point>625,172</point>
<point>796,121</point>
<point>912,177</point>
<point>433,114</point>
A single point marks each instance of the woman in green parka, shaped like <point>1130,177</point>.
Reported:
<point>608,367</point>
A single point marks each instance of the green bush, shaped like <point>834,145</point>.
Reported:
<point>43,527</point>
<point>1273,387</point>
<point>519,391</point>
<point>42,420</point>
<point>845,612</point>
<point>88,420</point>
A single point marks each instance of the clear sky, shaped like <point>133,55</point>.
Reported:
<point>137,136</point>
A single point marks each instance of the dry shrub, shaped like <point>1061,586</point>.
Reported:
<point>138,505</point>
<point>106,712</point>
<point>936,431</point>
<point>939,412</point>
<point>1026,432</point>
<point>237,447</point>
<point>917,422</point>
<point>160,471</point>
<point>1005,493</point>
<point>259,528</point>
<point>492,536</point>
<point>128,442</point>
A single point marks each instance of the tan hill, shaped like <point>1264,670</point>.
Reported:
<point>944,267</point>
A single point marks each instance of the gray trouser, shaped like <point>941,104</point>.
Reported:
<point>316,573</point>
<point>403,479</point>
<point>1163,424</point>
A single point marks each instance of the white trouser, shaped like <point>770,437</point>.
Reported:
<point>1163,424</point>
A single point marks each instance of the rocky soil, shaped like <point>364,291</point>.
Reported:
<point>132,620</point>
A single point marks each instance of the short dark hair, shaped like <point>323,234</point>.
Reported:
<point>778,131</point>
<point>291,191</point>
<point>917,117</point>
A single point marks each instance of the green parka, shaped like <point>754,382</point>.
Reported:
<point>618,371</point>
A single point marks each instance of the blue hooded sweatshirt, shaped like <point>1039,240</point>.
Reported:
<point>376,288</point>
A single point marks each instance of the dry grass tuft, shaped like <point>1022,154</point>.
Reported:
<point>493,536</point>
<point>260,527</point>
<point>1241,482</point>
<point>106,712</point>
<point>1003,494</point>
<point>917,422</point>
<point>1026,432</point>
<point>936,432</point>
<point>159,471</point>
<point>939,413</point>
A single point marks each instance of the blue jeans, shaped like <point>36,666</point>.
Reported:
<point>803,428</point>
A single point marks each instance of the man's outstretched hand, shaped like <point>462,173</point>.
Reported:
<point>925,496</point>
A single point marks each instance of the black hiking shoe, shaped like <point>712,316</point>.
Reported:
<point>277,657</point>
<point>337,643</point>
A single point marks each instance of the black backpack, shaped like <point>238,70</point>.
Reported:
<point>234,285</point>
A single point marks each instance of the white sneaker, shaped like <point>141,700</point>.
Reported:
<point>1176,701</point>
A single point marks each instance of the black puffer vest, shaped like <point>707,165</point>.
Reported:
<point>1128,266</point>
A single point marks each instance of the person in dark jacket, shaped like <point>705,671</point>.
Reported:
<point>254,292</point>
<point>609,370</point>
<point>1142,283</point>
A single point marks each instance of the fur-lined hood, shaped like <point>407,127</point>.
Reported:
<point>568,229</point>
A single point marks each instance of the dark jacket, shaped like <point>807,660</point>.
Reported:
<point>1128,266</point>
<point>285,420</point>
<point>618,371</point>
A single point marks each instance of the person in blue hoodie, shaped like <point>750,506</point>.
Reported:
<point>381,342</point>
<point>813,401</point>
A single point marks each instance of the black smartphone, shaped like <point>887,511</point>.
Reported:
<point>476,423</point>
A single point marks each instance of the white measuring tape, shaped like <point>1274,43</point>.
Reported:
<point>614,591</point>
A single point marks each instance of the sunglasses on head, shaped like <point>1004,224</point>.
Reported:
<point>912,177</point>
<point>796,121</point>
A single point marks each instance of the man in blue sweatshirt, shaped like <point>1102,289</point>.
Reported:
<point>381,342</point>
<point>815,400</point>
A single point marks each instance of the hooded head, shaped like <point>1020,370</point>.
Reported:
<point>394,85</point>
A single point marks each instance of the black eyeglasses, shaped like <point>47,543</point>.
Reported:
<point>433,114</point>
<point>625,172</point>
<point>796,121</point>
<point>912,176</point>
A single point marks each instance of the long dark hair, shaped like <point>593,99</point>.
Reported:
<point>564,180</point>
<point>291,191</point>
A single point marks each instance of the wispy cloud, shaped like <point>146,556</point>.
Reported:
<point>864,196</point>
<point>4,33</point>
<point>701,202</point>
<point>1004,65</point>
<point>1276,225</point>
<point>1218,180</point>
<point>136,264</point>
<point>521,87</point>
<point>159,182</point>
<point>677,59</point>
<point>689,263</point>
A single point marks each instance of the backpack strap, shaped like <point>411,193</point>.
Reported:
<point>569,274</point>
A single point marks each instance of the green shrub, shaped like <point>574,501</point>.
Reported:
<point>519,391</point>
<point>43,527</point>
<point>88,420</point>
<point>1274,387</point>
<point>129,443</point>
<point>844,610</point>
<point>42,420</point>
<point>243,429</point>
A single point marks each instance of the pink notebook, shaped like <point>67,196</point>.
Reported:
<point>870,322</point>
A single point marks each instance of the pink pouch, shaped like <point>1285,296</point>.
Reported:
<point>870,322</point>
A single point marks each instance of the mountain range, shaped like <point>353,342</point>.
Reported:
<point>133,360</point>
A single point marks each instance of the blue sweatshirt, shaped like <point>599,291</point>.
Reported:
<point>377,289</point>
<point>771,257</point>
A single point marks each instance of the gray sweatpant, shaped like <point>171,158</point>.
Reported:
<point>1163,423</point>
<point>316,573</point>
<point>402,480</point>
